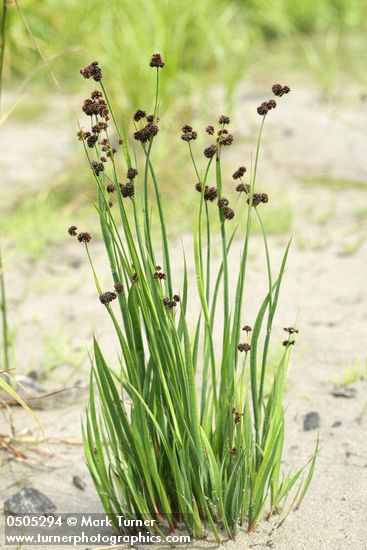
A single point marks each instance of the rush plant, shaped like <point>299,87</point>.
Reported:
<point>180,429</point>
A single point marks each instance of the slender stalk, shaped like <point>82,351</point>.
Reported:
<point>218,174</point>
<point>4,318</point>
<point>2,45</point>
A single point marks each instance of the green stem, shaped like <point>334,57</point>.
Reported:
<point>6,344</point>
<point>218,174</point>
<point>2,45</point>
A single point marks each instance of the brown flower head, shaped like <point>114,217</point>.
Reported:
<point>132,173</point>
<point>271,104</point>
<point>256,199</point>
<point>244,347</point>
<point>146,133</point>
<point>119,287</point>
<point>210,130</point>
<point>72,231</point>
<point>280,90</point>
<point>97,167</point>
<point>223,202</point>
<point>92,140</point>
<point>157,61</point>
<point>127,190</point>
<point>228,213</point>
<point>107,297</point>
<point>263,108</point>
<point>288,343</point>
<point>93,70</point>
<point>189,136</point>
<point>210,151</point>
<point>84,237</point>
<point>291,330</point>
<point>243,188</point>
<point>224,120</point>
<point>159,276</point>
<point>210,193</point>
<point>239,173</point>
<point>110,188</point>
<point>225,139</point>
<point>139,114</point>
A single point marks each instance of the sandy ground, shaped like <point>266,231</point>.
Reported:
<point>324,290</point>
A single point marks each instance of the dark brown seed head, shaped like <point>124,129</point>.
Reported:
<point>264,198</point>
<point>244,347</point>
<point>97,167</point>
<point>243,188</point>
<point>127,190</point>
<point>237,417</point>
<point>189,136</point>
<point>247,328</point>
<point>186,128</point>
<point>157,61</point>
<point>92,70</point>
<point>223,202</point>
<point>263,108</point>
<point>225,139</point>
<point>110,188</point>
<point>91,141</point>
<point>210,151</point>
<point>159,276</point>
<point>224,120</point>
<point>291,330</point>
<point>90,107</point>
<point>239,173</point>
<point>132,173</point>
<point>198,187</point>
<point>233,451</point>
<point>210,194</point>
<point>210,130</point>
<point>84,237</point>
<point>146,133</point>
<point>72,231</point>
<point>96,94</point>
<point>256,199</point>
<point>120,141</point>
<point>271,104</point>
<point>280,90</point>
<point>107,297</point>
<point>176,298</point>
<point>119,287</point>
<point>139,114</point>
<point>288,343</point>
<point>228,213</point>
<point>158,268</point>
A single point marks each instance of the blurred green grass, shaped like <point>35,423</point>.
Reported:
<point>205,42</point>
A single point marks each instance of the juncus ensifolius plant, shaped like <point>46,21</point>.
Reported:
<point>180,429</point>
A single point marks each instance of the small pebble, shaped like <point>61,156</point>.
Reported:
<point>29,501</point>
<point>79,483</point>
<point>344,391</point>
<point>311,421</point>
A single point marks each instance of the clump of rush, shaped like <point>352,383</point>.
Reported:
<point>180,429</point>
